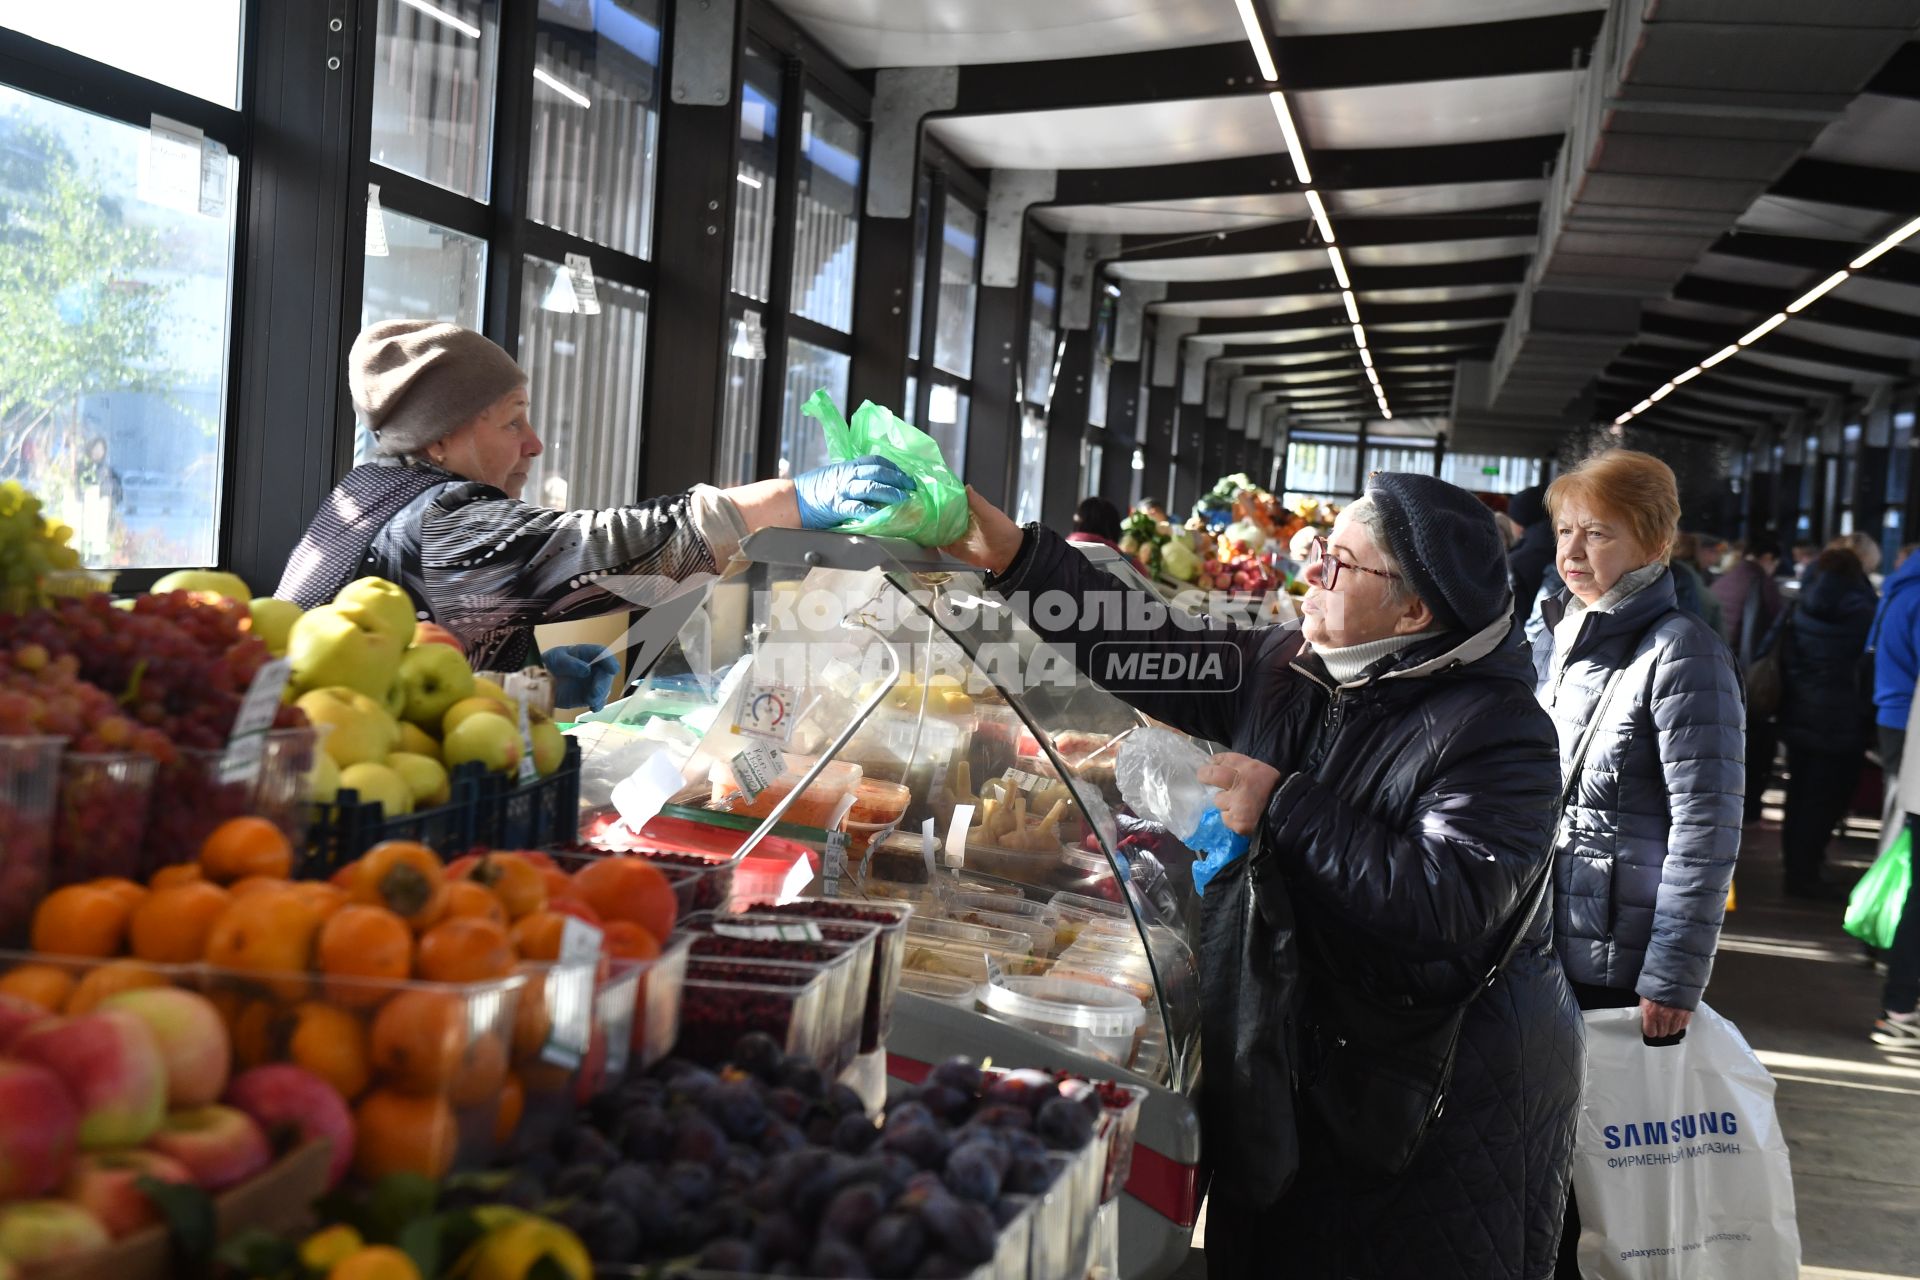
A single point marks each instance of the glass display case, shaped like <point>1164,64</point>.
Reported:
<point>873,702</point>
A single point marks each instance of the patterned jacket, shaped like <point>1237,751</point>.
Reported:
<point>488,567</point>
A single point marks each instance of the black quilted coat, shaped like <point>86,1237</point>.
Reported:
<point>1415,802</point>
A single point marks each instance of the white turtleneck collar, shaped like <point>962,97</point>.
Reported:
<point>1345,665</point>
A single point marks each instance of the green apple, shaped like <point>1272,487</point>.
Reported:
<point>425,777</point>
<point>378,783</point>
<point>361,729</point>
<point>220,584</point>
<point>273,621</point>
<point>474,706</point>
<point>323,780</point>
<point>549,744</point>
<point>418,742</point>
<point>329,647</point>
<point>379,604</point>
<point>485,688</point>
<point>434,677</point>
<point>492,740</point>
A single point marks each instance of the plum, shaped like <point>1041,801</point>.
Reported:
<point>738,1108</point>
<point>1063,1124</point>
<point>628,1185</point>
<point>948,1103</point>
<point>579,1180</point>
<point>1004,1116</point>
<point>726,1255</point>
<point>843,1101</point>
<point>894,1245</point>
<point>925,1144</point>
<point>759,1053</point>
<point>691,1181</point>
<point>778,1235</point>
<point>646,1133</point>
<point>973,1172</point>
<point>914,1112</point>
<point>697,1138</point>
<point>852,1210</point>
<point>780,1137</point>
<point>805,1077</point>
<point>584,1144</point>
<point>940,1266</point>
<point>610,1234</point>
<point>854,1134</point>
<point>789,1104</point>
<point>838,1258</point>
<point>958,1073</point>
<point>1029,1175</point>
<point>963,1228</point>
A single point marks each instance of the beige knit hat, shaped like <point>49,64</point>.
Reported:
<point>417,381</point>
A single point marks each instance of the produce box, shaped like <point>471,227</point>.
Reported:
<point>279,1200</point>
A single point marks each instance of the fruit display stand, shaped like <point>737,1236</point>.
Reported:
<point>1012,891</point>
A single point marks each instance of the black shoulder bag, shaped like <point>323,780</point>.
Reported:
<point>1384,1064</point>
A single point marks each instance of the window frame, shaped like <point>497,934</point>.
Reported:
<point>946,178</point>
<point>70,79</point>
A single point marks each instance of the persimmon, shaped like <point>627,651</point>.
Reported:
<point>81,920</point>
<point>559,883</point>
<point>176,875</point>
<point>322,897</point>
<point>110,980</point>
<point>625,940</point>
<point>359,942</point>
<point>481,1072</point>
<point>128,891</point>
<point>464,949</point>
<point>331,1043</point>
<point>47,985</point>
<point>537,937</point>
<point>267,933</point>
<point>517,881</point>
<point>404,877</point>
<point>246,846</point>
<point>624,888</point>
<point>246,885</point>
<point>398,1133</point>
<point>572,906</point>
<point>172,925</point>
<point>512,1105</point>
<point>256,1027</point>
<point>419,1040</point>
<point>467,898</point>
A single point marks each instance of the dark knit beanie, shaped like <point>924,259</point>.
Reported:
<point>1528,507</point>
<point>418,381</point>
<point>1448,547</point>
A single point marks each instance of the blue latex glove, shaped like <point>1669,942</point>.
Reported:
<point>842,492</point>
<point>583,675</point>
<point>1217,845</point>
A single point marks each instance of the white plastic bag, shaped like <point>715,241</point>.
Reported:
<point>1155,770</point>
<point>1680,1167</point>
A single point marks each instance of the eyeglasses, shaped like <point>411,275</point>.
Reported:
<point>1330,565</point>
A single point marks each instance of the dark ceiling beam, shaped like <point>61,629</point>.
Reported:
<point>1669,427</point>
<point>1663,362</point>
<point>1341,61</point>
<point>1732,424</point>
<point>1627,387</point>
<point>1378,313</point>
<point>1780,344</point>
<point>1761,301</point>
<point>1900,78</point>
<point>1440,275</point>
<point>1462,344</point>
<point>1316,366</point>
<point>1855,185</point>
<point>1365,169</point>
<point>1287,237</point>
<point>1824,256</point>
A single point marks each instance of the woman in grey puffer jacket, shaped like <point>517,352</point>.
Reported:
<point>1645,853</point>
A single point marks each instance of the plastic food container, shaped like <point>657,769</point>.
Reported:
<point>877,803</point>
<point>712,882</point>
<point>848,963</point>
<point>1123,1126</point>
<point>101,820</point>
<point>189,800</point>
<point>818,806</point>
<point>898,859</point>
<point>963,993</point>
<point>888,953</point>
<point>1088,1019</point>
<point>656,1002</point>
<point>969,961</point>
<point>1039,868</point>
<point>723,1000</point>
<point>29,781</point>
<point>1087,873</point>
<point>972,935</point>
<point>1038,933</point>
<point>559,1048</point>
<point>1074,915</point>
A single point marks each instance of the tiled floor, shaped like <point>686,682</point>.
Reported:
<point>1802,993</point>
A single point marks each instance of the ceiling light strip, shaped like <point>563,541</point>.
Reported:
<point>444,18</point>
<point>1353,308</point>
<point>1295,152</point>
<point>1258,39</point>
<point>1893,240</point>
<point>1319,215</point>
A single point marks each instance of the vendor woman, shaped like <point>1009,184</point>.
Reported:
<point>439,512</point>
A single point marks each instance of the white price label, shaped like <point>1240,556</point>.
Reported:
<point>836,863</point>
<point>1028,781</point>
<point>768,712</point>
<point>957,835</point>
<point>213,178</point>
<point>579,942</point>
<point>995,975</point>
<point>170,170</point>
<point>570,999</point>
<point>756,768</point>
<point>586,295</point>
<point>801,931</point>
<point>247,743</point>
<point>528,770</point>
<point>376,245</point>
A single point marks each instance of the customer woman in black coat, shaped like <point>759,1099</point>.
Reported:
<point>1400,781</point>
<point>1826,713</point>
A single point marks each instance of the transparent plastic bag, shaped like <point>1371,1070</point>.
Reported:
<point>1157,772</point>
<point>936,514</point>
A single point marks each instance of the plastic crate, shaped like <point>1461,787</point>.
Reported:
<point>486,810</point>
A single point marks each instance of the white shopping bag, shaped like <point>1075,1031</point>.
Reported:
<point>1679,1166</point>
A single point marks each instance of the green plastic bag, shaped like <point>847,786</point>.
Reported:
<point>936,514</point>
<point>1874,906</point>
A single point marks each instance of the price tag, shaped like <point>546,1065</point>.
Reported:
<point>376,224</point>
<point>836,863</point>
<point>756,768</point>
<point>1028,781</point>
<point>528,770</point>
<point>570,994</point>
<point>247,744</point>
<point>928,843</point>
<point>768,712</point>
<point>579,942</point>
<point>996,977</point>
<point>957,835</point>
<point>802,931</point>
<point>170,165</point>
<point>213,178</point>
<point>586,295</point>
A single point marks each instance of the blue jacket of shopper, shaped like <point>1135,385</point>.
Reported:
<point>1827,704</point>
<point>1645,854</point>
<point>1895,644</point>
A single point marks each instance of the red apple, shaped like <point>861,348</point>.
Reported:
<point>192,1037</point>
<point>219,1145</point>
<point>16,1015</point>
<point>39,1125</point>
<point>433,633</point>
<point>111,1064</point>
<point>33,1232</point>
<point>286,1099</point>
<point>106,1184</point>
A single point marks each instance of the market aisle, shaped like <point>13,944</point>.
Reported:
<point>1801,993</point>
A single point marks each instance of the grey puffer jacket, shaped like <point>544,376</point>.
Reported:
<point>1646,851</point>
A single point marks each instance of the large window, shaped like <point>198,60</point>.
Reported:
<point>116,253</point>
<point>1043,318</point>
<point>578,169</point>
<point>1490,473</point>
<point>946,293</point>
<point>1323,465</point>
<point>959,290</point>
<point>190,45</point>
